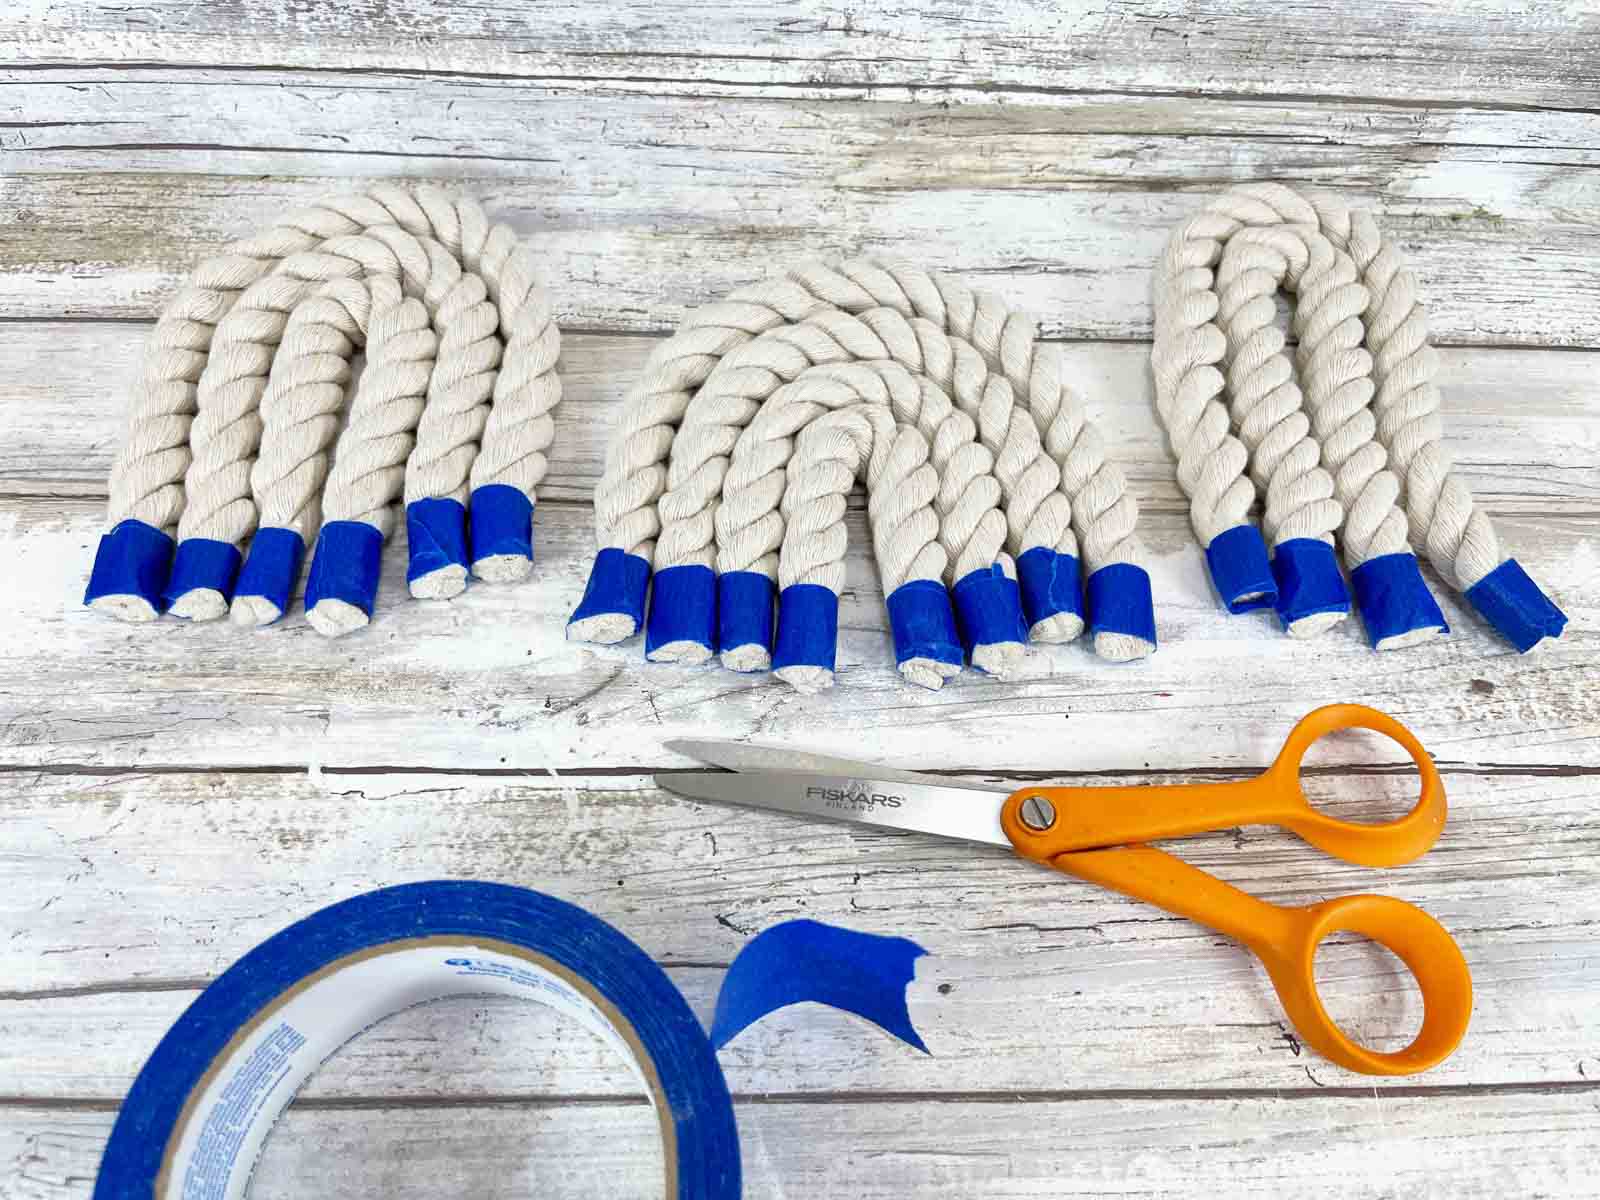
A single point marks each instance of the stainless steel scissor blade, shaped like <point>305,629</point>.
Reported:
<point>872,796</point>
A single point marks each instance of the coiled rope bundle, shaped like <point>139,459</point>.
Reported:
<point>981,499</point>
<point>1343,443</point>
<point>240,400</point>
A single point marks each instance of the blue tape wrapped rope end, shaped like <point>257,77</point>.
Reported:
<point>745,619</point>
<point>1240,570</point>
<point>1509,599</point>
<point>808,627</point>
<point>203,565</point>
<point>1121,606</point>
<point>683,615</point>
<point>345,567</point>
<point>1396,605</point>
<point>131,566</point>
<point>1309,584</point>
<point>270,572</point>
<point>612,608</point>
<point>798,961</point>
<point>436,533</point>
<point>924,623</point>
<point>500,526</point>
<point>1051,587</point>
<point>989,618</point>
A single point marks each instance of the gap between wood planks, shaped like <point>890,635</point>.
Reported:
<point>1446,767</point>
<point>776,1099</point>
<point>911,91</point>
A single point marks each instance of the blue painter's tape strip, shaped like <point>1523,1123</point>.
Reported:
<point>1240,570</point>
<point>502,522</point>
<point>1120,601</point>
<point>345,565</point>
<point>1308,578</point>
<point>683,608</point>
<point>808,627</point>
<point>1050,583</point>
<point>617,584</point>
<point>203,563</point>
<point>924,623</point>
<point>1513,603</point>
<point>272,567</point>
<point>988,609</point>
<point>798,961</point>
<point>744,610</point>
<point>1393,599</point>
<point>133,559</point>
<point>436,530</point>
<point>299,995</point>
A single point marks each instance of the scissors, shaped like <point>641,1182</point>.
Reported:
<point>1098,834</point>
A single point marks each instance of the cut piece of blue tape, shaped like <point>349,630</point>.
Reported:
<point>744,610</point>
<point>346,565</point>
<point>1308,578</point>
<point>923,623</point>
<point>1513,603</point>
<point>988,609</point>
<point>683,608</point>
<point>808,627</point>
<point>132,559</point>
<point>1050,583</point>
<point>272,567</point>
<point>1120,601</point>
<point>1240,570</point>
<point>195,1118</point>
<point>436,533</point>
<point>501,522</point>
<point>1393,598</point>
<point>203,563</point>
<point>798,961</point>
<point>616,587</point>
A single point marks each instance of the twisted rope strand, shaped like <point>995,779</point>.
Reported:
<point>638,502</point>
<point>901,483</point>
<point>1038,514</point>
<point>368,468</point>
<point>1103,512</point>
<point>1265,398</point>
<point>300,417</point>
<point>749,523</point>
<point>1458,536</point>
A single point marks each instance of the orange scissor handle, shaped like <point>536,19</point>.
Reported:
<point>1286,940</point>
<point>1087,818</point>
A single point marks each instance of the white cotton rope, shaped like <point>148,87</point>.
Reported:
<point>1321,474</point>
<point>226,433</point>
<point>300,412</point>
<point>971,529</point>
<point>829,453</point>
<point>146,483</point>
<point>1457,535</point>
<point>1371,402</point>
<point>195,462</point>
<point>1039,514</point>
<point>705,384</point>
<point>368,471</point>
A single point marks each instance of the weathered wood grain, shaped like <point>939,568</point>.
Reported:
<point>661,155</point>
<point>129,890</point>
<point>1524,425</point>
<point>1478,53</point>
<point>1523,1144</point>
<point>646,205</point>
<point>489,680</point>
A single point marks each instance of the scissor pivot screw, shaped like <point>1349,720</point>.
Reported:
<point>1037,813</point>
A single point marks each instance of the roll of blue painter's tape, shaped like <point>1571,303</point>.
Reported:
<point>196,1117</point>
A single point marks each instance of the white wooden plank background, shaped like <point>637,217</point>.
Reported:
<point>173,795</point>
